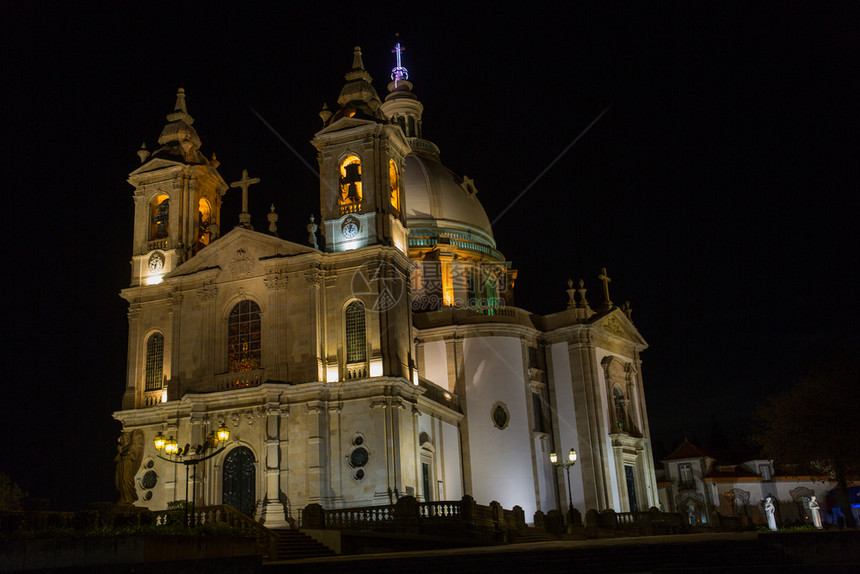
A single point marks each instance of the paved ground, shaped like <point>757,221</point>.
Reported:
<point>724,552</point>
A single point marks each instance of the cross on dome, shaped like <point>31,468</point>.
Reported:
<point>398,72</point>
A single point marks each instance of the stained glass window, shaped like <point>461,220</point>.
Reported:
<point>356,339</point>
<point>243,338</point>
<point>154,361</point>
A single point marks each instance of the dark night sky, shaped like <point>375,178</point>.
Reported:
<point>719,189</point>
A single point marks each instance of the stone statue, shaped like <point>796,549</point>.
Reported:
<point>769,511</point>
<point>814,510</point>
<point>129,451</point>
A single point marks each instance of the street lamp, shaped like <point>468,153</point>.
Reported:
<point>191,456</point>
<point>571,460</point>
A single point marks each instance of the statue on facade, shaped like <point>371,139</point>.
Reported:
<point>769,510</point>
<point>815,512</point>
<point>129,451</point>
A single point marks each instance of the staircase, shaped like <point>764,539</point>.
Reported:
<point>293,545</point>
<point>530,534</point>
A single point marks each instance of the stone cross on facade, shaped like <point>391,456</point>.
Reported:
<point>606,280</point>
<point>244,183</point>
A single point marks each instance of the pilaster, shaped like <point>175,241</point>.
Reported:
<point>272,514</point>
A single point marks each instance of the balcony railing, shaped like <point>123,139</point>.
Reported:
<point>152,398</point>
<point>687,485</point>
<point>157,244</point>
<point>355,371</point>
<point>240,380</point>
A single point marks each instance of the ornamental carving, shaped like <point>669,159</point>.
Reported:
<point>612,325</point>
<point>207,292</point>
<point>240,265</point>
<point>276,280</point>
<point>314,277</point>
<point>174,299</point>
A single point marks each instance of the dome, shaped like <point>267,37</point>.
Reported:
<point>440,202</point>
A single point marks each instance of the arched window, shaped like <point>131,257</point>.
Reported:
<point>620,410</point>
<point>154,362</point>
<point>243,337</point>
<point>350,180</point>
<point>356,337</point>
<point>204,221</point>
<point>394,183</point>
<point>159,216</point>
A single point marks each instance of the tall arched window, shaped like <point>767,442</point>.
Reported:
<point>204,221</point>
<point>394,183</point>
<point>154,362</point>
<point>159,211</point>
<point>350,181</point>
<point>243,337</point>
<point>620,410</point>
<point>356,337</point>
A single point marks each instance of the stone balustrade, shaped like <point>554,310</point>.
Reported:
<point>460,518</point>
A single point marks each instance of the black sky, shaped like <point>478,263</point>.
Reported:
<point>719,190</point>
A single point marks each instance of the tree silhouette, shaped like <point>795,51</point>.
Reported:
<point>814,424</point>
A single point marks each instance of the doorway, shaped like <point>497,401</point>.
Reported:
<point>238,485</point>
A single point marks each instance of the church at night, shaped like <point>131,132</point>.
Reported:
<point>382,357</point>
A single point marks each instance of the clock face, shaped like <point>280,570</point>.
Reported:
<point>156,262</point>
<point>350,228</point>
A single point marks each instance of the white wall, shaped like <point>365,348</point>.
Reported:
<point>567,430</point>
<point>436,364</point>
<point>501,459</point>
<point>453,474</point>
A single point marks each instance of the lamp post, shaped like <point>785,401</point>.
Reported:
<point>191,456</point>
<point>571,460</point>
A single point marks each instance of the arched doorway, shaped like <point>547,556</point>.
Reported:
<point>238,481</point>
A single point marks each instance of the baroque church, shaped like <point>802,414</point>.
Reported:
<point>387,359</point>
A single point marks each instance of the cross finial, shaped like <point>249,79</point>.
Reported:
<point>273,221</point>
<point>606,280</point>
<point>398,72</point>
<point>244,183</point>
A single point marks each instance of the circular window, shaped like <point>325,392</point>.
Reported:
<point>148,495</point>
<point>150,478</point>
<point>358,440</point>
<point>150,463</point>
<point>358,474</point>
<point>358,457</point>
<point>500,415</point>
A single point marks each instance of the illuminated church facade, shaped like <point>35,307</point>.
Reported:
<point>388,361</point>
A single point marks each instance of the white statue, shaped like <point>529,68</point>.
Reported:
<point>769,510</point>
<point>815,512</point>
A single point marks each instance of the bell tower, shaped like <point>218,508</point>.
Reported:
<point>177,199</point>
<point>361,157</point>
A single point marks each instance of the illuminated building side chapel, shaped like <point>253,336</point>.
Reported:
<point>389,362</point>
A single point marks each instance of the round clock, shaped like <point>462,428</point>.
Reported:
<point>350,228</point>
<point>156,262</point>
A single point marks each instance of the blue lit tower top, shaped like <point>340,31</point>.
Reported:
<point>398,73</point>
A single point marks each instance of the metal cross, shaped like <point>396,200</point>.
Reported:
<point>606,280</point>
<point>399,72</point>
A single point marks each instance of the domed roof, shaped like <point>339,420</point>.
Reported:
<point>438,200</point>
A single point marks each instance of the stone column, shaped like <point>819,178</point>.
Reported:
<point>275,349</point>
<point>273,515</point>
<point>131,396</point>
<point>592,450</point>
<point>316,451</point>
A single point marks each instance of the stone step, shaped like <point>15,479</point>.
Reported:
<point>293,544</point>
